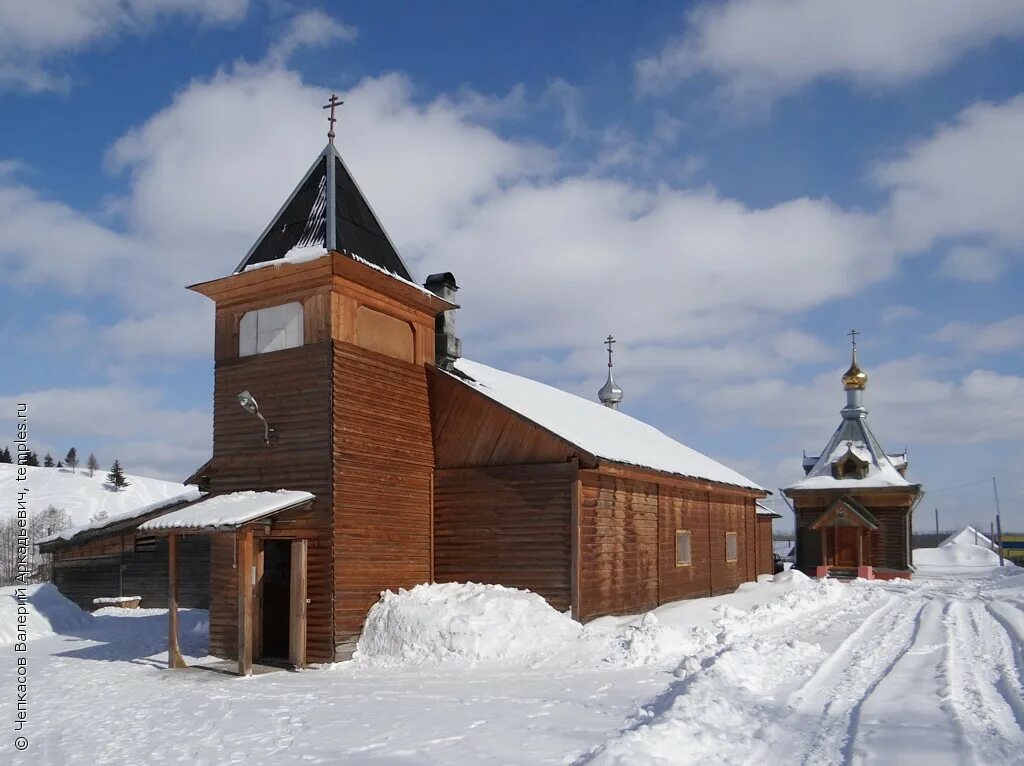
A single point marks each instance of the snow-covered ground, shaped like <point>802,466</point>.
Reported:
<point>81,495</point>
<point>792,671</point>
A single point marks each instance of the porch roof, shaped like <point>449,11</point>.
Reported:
<point>836,516</point>
<point>227,512</point>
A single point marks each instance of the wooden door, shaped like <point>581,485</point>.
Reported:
<point>847,541</point>
<point>297,622</point>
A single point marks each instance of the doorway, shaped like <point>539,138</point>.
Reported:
<point>846,546</point>
<point>276,599</point>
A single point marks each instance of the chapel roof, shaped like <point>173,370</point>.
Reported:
<point>603,432</point>
<point>327,211</point>
<point>853,441</point>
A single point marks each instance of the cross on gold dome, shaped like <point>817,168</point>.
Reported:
<point>332,102</point>
<point>855,379</point>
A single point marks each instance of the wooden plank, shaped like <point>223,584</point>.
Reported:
<point>297,594</point>
<point>174,658</point>
<point>245,605</point>
<point>577,496</point>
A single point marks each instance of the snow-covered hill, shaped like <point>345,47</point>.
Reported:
<point>79,494</point>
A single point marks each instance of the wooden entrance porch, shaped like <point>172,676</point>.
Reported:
<point>844,530</point>
<point>271,573</point>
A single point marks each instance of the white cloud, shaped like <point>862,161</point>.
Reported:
<point>127,422</point>
<point>694,284</point>
<point>312,29</point>
<point>761,49</point>
<point>965,180</point>
<point>31,34</point>
<point>911,401</point>
<point>897,312</point>
<point>992,338</point>
<point>973,264</point>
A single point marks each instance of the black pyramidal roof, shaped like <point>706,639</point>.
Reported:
<point>328,209</point>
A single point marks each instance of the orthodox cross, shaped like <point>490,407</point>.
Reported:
<point>333,102</point>
<point>609,343</point>
<point>853,338</point>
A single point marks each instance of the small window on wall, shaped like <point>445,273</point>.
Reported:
<point>145,544</point>
<point>270,329</point>
<point>682,548</point>
<point>731,546</point>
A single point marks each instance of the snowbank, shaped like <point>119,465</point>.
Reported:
<point>955,557</point>
<point>48,612</point>
<point>462,621</point>
<point>968,535</point>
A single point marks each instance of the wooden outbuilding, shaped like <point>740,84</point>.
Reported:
<point>111,559</point>
<point>854,508</point>
<point>339,384</point>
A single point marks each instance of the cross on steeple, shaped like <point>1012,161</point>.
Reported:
<point>610,340</point>
<point>853,338</point>
<point>333,102</point>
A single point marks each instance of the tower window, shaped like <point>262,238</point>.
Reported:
<point>270,329</point>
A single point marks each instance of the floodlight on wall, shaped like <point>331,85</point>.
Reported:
<point>249,404</point>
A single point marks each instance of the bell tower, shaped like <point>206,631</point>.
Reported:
<point>323,326</point>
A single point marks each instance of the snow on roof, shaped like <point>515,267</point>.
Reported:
<point>853,435</point>
<point>967,536</point>
<point>600,430</point>
<point>228,511</point>
<point>898,460</point>
<point>764,510</point>
<point>188,495</point>
<point>298,254</point>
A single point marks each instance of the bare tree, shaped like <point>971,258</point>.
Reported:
<point>40,525</point>
<point>92,464</point>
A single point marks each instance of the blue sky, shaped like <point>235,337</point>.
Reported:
<point>728,188</point>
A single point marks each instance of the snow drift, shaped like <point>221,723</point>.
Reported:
<point>464,621</point>
<point>48,613</point>
<point>955,557</point>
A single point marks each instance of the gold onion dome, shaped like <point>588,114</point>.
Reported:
<point>855,379</point>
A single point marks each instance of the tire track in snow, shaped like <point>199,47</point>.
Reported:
<point>1010,657</point>
<point>828,705</point>
<point>984,684</point>
<point>719,711</point>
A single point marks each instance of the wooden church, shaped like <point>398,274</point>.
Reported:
<point>355,450</point>
<point>854,507</point>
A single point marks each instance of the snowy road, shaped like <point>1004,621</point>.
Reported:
<point>922,673</point>
<point>804,673</point>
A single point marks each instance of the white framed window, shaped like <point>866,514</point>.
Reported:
<point>683,555</point>
<point>732,546</point>
<point>270,329</point>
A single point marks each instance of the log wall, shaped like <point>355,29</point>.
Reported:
<point>383,457</point>
<point>293,389</point>
<point>110,567</point>
<point>684,510</point>
<point>506,525</point>
<point>885,547</point>
<point>618,559</point>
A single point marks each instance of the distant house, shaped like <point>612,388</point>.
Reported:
<point>367,455</point>
<point>854,506</point>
